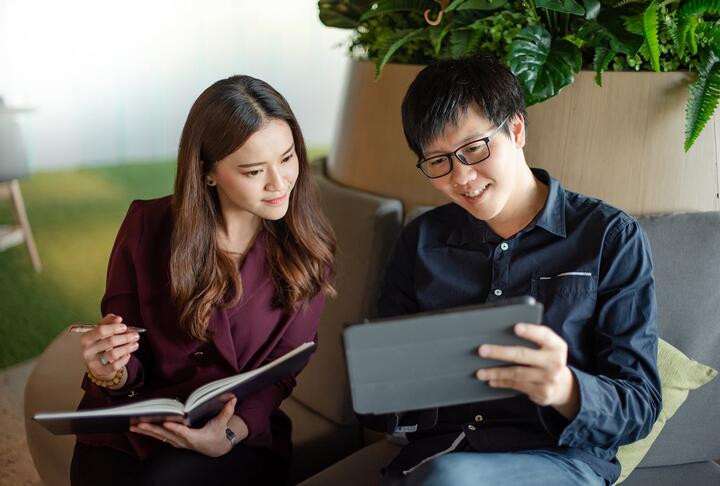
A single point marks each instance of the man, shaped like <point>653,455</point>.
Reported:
<point>591,384</point>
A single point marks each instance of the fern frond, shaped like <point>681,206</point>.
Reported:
<point>601,61</point>
<point>704,96</point>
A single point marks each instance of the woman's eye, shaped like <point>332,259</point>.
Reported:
<point>287,159</point>
<point>253,173</point>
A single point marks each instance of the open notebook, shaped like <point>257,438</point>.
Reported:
<point>203,404</point>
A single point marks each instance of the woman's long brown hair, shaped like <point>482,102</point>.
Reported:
<point>300,246</point>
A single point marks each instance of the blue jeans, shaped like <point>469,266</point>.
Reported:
<point>524,468</point>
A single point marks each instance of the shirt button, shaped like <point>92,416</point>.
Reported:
<point>478,418</point>
<point>471,427</point>
<point>504,246</point>
<point>198,354</point>
<point>497,292</point>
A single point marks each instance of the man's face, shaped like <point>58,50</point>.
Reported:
<point>483,189</point>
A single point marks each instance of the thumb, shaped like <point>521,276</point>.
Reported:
<point>228,410</point>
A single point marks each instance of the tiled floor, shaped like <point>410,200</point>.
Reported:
<point>15,462</point>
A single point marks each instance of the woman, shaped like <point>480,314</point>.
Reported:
<point>227,274</point>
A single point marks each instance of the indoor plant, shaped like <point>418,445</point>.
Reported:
<point>546,42</point>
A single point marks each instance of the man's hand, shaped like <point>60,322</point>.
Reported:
<point>542,374</point>
<point>209,440</point>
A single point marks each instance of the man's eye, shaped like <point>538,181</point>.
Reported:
<point>436,162</point>
<point>473,148</point>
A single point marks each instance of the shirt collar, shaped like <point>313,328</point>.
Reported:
<point>551,218</point>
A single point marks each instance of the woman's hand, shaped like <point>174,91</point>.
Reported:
<point>542,374</point>
<point>108,347</point>
<point>209,440</point>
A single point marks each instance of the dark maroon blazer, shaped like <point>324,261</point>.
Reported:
<point>169,365</point>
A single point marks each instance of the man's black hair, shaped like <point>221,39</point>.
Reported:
<point>445,89</point>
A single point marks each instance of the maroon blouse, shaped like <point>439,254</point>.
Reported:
<point>169,365</point>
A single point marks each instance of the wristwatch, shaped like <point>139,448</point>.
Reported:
<point>231,437</point>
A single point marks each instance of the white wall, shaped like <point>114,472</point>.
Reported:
<point>113,81</point>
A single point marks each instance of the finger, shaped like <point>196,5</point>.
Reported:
<point>159,433</point>
<point>116,365</point>
<point>110,319</point>
<point>543,336</point>
<point>113,341</point>
<point>227,411</point>
<point>101,332</point>
<point>513,373</point>
<point>514,354</point>
<point>120,352</point>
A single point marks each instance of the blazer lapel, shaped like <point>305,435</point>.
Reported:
<point>254,275</point>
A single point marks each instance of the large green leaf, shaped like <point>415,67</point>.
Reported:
<point>564,6</point>
<point>621,39</point>
<point>386,6</point>
<point>343,14</point>
<point>651,26</point>
<point>542,65</point>
<point>704,96</point>
<point>393,44</point>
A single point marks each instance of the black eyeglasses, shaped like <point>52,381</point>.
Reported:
<point>469,154</point>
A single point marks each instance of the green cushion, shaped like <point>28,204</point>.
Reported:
<point>678,375</point>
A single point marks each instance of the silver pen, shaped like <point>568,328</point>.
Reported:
<point>81,327</point>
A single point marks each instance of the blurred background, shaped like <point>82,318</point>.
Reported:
<point>98,93</point>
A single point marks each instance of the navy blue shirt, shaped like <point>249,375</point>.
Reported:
<point>590,265</point>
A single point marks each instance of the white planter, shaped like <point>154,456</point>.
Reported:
<point>622,142</point>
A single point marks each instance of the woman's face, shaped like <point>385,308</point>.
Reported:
<point>257,179</point>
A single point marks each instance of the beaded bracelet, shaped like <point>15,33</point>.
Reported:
<point>115,380</point>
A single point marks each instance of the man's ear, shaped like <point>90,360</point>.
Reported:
<point>517,130</point>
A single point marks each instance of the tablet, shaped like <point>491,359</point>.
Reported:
<point>429,359</point>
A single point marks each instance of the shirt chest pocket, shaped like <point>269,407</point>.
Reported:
<point>568,298</point>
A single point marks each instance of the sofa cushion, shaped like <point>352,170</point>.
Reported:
<point>317,441</point>
<point>360,469</point>
<point>686,258</point>
<point>696,473</point>
<point>678,375</point>
<point>366,227</point>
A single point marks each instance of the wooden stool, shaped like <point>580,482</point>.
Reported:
<point>15,234</point>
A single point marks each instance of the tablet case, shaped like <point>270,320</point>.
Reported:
<point>429,360</point>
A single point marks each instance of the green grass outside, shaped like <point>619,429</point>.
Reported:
<point>75,216</point>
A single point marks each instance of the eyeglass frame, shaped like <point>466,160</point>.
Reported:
<point>455,154</point>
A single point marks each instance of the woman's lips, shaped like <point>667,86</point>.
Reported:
<point>276,201</point>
